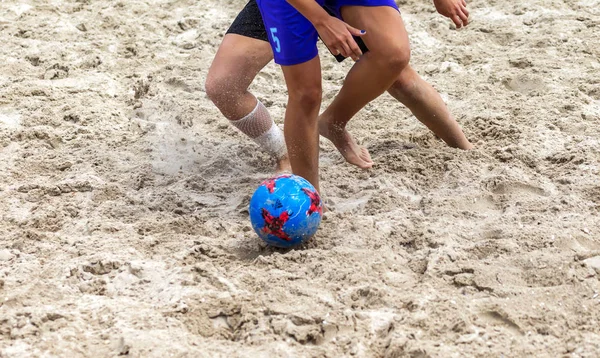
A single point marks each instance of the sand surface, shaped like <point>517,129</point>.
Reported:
<point>123,193</point>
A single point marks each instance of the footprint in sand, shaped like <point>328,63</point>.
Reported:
<point>525,84</point>
<point>481,204</point>
<point>496,318</point>
<point>518,188</point>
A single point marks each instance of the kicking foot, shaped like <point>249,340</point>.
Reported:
<point>283,165</point>
<point>345,143</point>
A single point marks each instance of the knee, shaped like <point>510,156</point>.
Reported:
<point>406,85</point>
<point>219,87</point>
<point>307,98</point>
<point>395,58</point>
<point>214,86</point>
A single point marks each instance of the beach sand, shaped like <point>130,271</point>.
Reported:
<point>123,193</point>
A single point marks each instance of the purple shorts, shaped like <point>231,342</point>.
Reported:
<point>292,37</point>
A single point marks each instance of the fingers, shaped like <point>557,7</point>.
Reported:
<point>345,49</point>
<point>463,17</point>
<point>348,48</point>
<point>337,35</point>
<point>355,31</point>
<point>465,11</point>
<point>356,51</point>
<point>457,21</point>
<point>460,15</point>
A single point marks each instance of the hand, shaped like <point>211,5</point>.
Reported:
<point>337,36</point>
<point>456,10</point>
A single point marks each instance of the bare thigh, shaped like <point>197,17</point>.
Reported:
<point>236,64</point>
<point>386,35</point>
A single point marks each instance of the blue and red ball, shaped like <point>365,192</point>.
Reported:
<point>286,211</point>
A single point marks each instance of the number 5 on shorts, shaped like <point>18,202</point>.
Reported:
<point>275,39</point>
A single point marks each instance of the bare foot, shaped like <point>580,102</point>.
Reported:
<point>467,145</point>
<point>283,165</point>
<point>345,143</point>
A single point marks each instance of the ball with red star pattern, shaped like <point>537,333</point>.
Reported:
<point>286,211</point>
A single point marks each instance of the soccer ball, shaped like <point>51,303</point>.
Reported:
<point>286,211</point>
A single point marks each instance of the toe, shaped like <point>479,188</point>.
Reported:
<point>365,155</point>
<point>366,165</point>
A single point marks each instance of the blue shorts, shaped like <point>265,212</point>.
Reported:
<point>293,38</point>
<point>335,6</point>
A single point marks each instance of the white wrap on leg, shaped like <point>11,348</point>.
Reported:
<point>273,141</point>
<point>259,126</point>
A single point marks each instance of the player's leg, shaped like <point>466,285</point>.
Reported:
<point>236,64</point>
<point>373,74</point>
<point>294,42</point>
<point>243,53</point>
<point>425,103</point>
<point>429,108</point>
<point>300,127</point>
